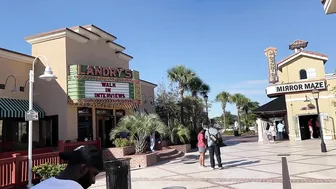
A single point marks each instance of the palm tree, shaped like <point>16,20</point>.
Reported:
<point>223,98</point>
<point>182,76</point>
<point>248,107</point>
<point>139,126</point>
<point>239,100</point>
<point>195,86</point>
<point>205,89</point>
<point>176,131</point>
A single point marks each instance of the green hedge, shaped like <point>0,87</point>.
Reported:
<point>45,171</point>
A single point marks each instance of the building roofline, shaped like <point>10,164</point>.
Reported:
<point>80,27</point>
<point>91,25</point>
<point>13,55</point>
<point>149,82</point>
<point>44,34</point>
<point>302,53</point>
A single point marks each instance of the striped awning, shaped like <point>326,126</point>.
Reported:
<point>15,108</point>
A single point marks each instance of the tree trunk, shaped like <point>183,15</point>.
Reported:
<point>140,146</point>
<point>246,117</point>
<point>181,92</point>
<point>224,118</point>
<point>238,117</point>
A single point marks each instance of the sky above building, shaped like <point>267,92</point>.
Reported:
<point>223,41</point>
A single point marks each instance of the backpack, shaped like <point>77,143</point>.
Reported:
<point>214,138</point>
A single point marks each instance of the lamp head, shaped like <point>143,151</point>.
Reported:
<point>48,74</point>
<point>316,93</point>
<point>205,97</point>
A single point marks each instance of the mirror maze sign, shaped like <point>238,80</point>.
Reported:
<point>104,87</point>
<point>296,87</point>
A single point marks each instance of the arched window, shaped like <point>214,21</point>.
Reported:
<point>311,73</point>
<point>303,74</point>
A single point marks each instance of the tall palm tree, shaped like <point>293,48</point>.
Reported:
<point>205,89</point>
<point>239,99</point>
<point>139,126</point>
<point>195,86</point>
<point>223,98</point>
<point>182,76</point>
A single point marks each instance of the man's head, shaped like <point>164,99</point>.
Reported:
<point>85,162</point>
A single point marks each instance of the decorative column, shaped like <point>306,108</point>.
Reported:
<point>260,130</point>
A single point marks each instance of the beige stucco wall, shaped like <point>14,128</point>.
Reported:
<point>52,96</point>
<point>20,71</point>
<point>147,93</point>
<point>295,101</point>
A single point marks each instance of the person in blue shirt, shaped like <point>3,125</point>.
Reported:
<point>281,129</point>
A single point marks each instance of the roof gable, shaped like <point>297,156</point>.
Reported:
<point>300,53</point>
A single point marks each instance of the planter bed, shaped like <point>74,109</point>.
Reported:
<point>143,160</point>
<point>185,148</point>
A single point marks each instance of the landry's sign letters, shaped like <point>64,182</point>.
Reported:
<point>296,87</point>
<point>105,71</point>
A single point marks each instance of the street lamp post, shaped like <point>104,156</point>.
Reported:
<point>48,76</point>
<point>316,97</point>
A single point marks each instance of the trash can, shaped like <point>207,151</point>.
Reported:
<point>118,174</point>
<point>236,133</point>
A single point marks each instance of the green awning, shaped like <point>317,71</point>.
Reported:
<point>15,108</point>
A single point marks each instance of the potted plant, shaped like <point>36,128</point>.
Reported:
<point>179,134</point>
<point>139,126</point>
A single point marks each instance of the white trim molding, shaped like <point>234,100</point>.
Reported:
<point>329,6</point>
<point>16,56</point>
<point>60,34</point>
<point>115,46</point>
<point>124,56</point>
<point>301,54</point>
<point>87,33</point>
<point>100,32</point>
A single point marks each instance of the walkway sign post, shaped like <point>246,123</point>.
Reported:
<point>31,115</point>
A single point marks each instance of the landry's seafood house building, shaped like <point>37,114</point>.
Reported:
<point>94,90</point>
<point>292,81</point>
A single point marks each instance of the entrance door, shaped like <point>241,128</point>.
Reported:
<point>304,128</point>
<point>105,122</point>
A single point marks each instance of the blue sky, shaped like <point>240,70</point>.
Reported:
<point>222,40</point>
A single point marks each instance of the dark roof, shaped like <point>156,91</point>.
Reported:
<point>276,105</point>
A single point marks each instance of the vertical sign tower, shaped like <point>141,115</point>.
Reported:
<point>270,53</point>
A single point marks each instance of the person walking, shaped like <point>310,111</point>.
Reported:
<point>281,129</point>
<point>212,135</point>
<point>273,131</point>
<point>201,144</point>
<point>311,130</point>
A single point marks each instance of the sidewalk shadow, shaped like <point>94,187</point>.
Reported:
<point>240,164</point>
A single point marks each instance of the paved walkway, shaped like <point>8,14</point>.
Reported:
<point>247,165</point>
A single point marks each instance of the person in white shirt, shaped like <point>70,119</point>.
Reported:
<point>84,164</point>
<point>281,129</point>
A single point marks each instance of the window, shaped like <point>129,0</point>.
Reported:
<point>303,74</point>
<point>22,130</point>
<point>311,73</point>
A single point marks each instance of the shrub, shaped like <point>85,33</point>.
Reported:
<point>45,171</point>
<point>122,142</point>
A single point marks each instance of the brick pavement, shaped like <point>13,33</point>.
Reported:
<point>246,165</point>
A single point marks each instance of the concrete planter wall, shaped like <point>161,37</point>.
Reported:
<point>165,143</point>
<point>143,160</point>
<point>185,148</point>
<point>121,151</point>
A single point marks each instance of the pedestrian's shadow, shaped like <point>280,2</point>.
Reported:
<point>241,163</point>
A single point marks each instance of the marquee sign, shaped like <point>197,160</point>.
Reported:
<point>296,87</point>
<point>272,67</point>
<point>104,87</point>
<point>106,90</point>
